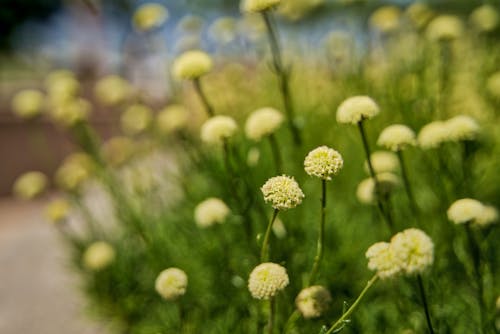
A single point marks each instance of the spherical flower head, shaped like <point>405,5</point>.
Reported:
<point>57,210</point>
<point>253,156</point>
<point>118,150</point>
<point>414,250</point>
<point>70,112</point>
<point>386,19</point>
<point>445,28</point>
<point>28,103</point>
<point>323,162</point>
<point>172,118</point>
<point>283,192</point>
<point>29,185</point>
<point>254,6</point>
<point>397,137</point>
<point>433,135</point>
<point>112,90</point>
<point>266,280</point>
<point>313,301</point>
<point>74,171</point>
<point>61,87</point>
<point>462,127</point>
<point>485,18</point>
<point>223,30</point>
<point>171,283</point>
<point>217,129</point>
<point>366,191</point>
<point>493,85</point>
<point>465,210</point>
<point>136,119</point>
<point>356,109</point>
<point>488,216</point>
<point>192,65</point>
<point>263,122</point>
<point>98,256</point>
<point>149,16</point>
<point>211,211</point>
<point>382,162</point>
<point>382,259</point>
<point>419,14</point>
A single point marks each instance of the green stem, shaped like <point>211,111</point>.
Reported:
<point>272,309</point>
<point>283,76</point>
<point>321,237</point>
<point>264,252</point>
<point>208,107</point>
<point>476,260</point>
<point>291,321</point>
<point>353,306</point>
<point>380,206</point>
<point>276,153</point>
<point>425,304</point>
<point>408,188</point>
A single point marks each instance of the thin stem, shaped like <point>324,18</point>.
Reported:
<point>424,301</point>
<point>283,76</point>
<point>272,309</point>
<point>476,260</point>
<point>276,153</point>
<point>291,321</point>
<point>406,181</point>
<point>264,252</point>
<point>380,206</point>
<point>353,306</point>
<point>208,107</point>
<point>321,237</point>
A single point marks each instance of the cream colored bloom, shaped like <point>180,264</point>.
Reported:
<point>136,119</point>
<point>172,118</point>
<point>253,156</point>
<point>223,30</point>
<point>488,216</point>
<point>433,135</point>
<point>71,112</point>
<point>465,210</point>
<point>252,6</point>
<point>171,283</point>
<point>28,103</point>
<point>74,171</point>
<point>98,256</point>
<point>29,185</point>
<point>462,128</point>
<point>323,162</point>
<point>61,87</point>
<point>419,14</point>
<point>485,18</point>
<point>356,109</point>
<point>366,191</point>
<point>445,28</point>
<point>217,129</point>
<point>149,16</point>
<point>112,90</point>
<point>211,211</point>
<point>382,162</point>
<point>192,65</point>
<point>313,301</point>
<point>386,19</point>
<point>266,280</point>
<point>413,249</point>
<point>118,150</point>
<point>263,122</point>
<point>57,210</point>
<point>493,85</point>
<point>397,137</point>
<point>279,228</point>
<point>382,259</point>
<point>283,192</point>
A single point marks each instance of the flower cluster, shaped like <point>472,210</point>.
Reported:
<point>211,211</point>
<point>313,301</point>
<point>283,192</point>
<point>192,65</point>
<point>396,137</point>
<point>323,162</point>
<point>266,280</point>
<point>171,283</point>
<point>468,210</point>
<point>217,129</point>
<point>98,256</point>
<point>263,122</point>
<point>357,108</point>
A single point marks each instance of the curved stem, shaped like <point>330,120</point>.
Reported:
<point>321,237</point>
<point>264,252</point>
<point>208,107</point>
<point>380,206</point>
<point>353,306</point>
<point>424,301</point>
<point>276,153</point>
<point>406,181</point>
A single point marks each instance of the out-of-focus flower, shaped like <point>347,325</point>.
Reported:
<point>485,18</point>
<point>192,65</point>
<point>61,86</point>
<point>465,210</point>
<point>414,250</point>
<point>462,127</point>
<point>313,301</point>
<point>57,210</point>
<point>211,211</point>
<point>136,119</point>
<point>266,280</point>
<point>323,162</point>
<point>396,137</point>
<point>279,228</point>
<point>381,258</point>
<point>149,16</point>
<point>171,283</point>
<point>366,191</point>
<point>445,28</point>
<point>488,216</point>
<point>493,85</point>
<point>253,156</point>
<point>98,256</point>
<point>172,118</point>
<point>223,30</point>
<point>74,171</point>
<point>263,122</point>
<point>356,109</point>
<point>118,150</point>
<point>294,10</point>
<point>419,14</point>
<point>386,19</point>
<point>190,24</point>
<point>433,135</point>
<point>253,6</point>
<point>187,43</point>
<point>382,161</point>
<point>217,129</point>
<point>28,103</point>
<point>71,112</point>
<point>112,90</point>
<point>29,185</point>
<point>283,192</point>
<point>251,26</point>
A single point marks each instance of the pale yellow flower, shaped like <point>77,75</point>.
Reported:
<point>192,65</point>
<point>397,137</point>
<point>112,90</point>
<point>366,191</point>
<point>71,112</point>
<point>382,259</point>
<point>313,301</point>
<point>149,16</point>
<point>356,109</point>
<point>323,162</point>
<point>462,127</point>
<point>172,118</point>
<point>98,256</point>
<point>493,85</point>
<point>413,249</point>
<point>30,184</point>
<point>253,6</point>
<point>488,216</point>
<point>171,283</point>
<point>485,18</point>
<point>382,161</point>
<point>223,30</point>
<point>386,19</point>
<point>283,192</point>
<point>263,122</point>
<point>266,280</point>
<point>419,14</point>
<point>74,171</point>
<point>433,135</point>
<point>136,119</point>
<point>445,28</point>
<point>28,103</point>
<point>211,211</point>
<point>57,210</point>
<point>465,210</point>
<point>253,156</point>
<point>217,129</point>
<point>118,150</point>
